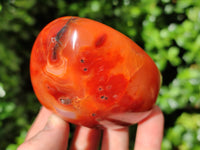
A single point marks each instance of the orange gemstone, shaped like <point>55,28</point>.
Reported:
<point>87,72</point>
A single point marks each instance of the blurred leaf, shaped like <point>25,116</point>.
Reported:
<point>166,144</point>
<point>19,140</point>
<point>189,121</point>
<point>2,91</point>
<point>183,92</point>
<point>173,53</point>
<point>175,134</point>
<point>184,135</point>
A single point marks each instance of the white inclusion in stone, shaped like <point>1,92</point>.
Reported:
<point>53,40</point>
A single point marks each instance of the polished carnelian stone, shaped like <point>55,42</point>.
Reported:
<point>87,72</point>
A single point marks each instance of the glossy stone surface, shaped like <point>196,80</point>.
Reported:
<point>91,74</point>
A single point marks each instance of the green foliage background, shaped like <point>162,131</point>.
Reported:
<point>168,30</point>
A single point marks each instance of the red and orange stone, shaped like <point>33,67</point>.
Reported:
<point>87,72</point>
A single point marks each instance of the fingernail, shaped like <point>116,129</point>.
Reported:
<point>53,121</point>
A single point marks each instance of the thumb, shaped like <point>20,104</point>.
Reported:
<point>54,136</point>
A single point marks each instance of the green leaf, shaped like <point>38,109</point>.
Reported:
<point>173,53</point>
<point>2,91</point>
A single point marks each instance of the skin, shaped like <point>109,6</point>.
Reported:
<point>51,132</point>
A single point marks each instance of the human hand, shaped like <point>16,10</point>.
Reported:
<point>49,132</point>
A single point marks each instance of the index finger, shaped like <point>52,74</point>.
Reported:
<point>39,122</point>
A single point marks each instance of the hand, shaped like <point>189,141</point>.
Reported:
<point>49,132</point>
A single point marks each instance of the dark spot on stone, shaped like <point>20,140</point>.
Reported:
<point>103,97</point>
<point>93,114</point>
<point>82,61</point>
<point>85,69</point>
<point>100,40</point>
<point>100,89</point>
